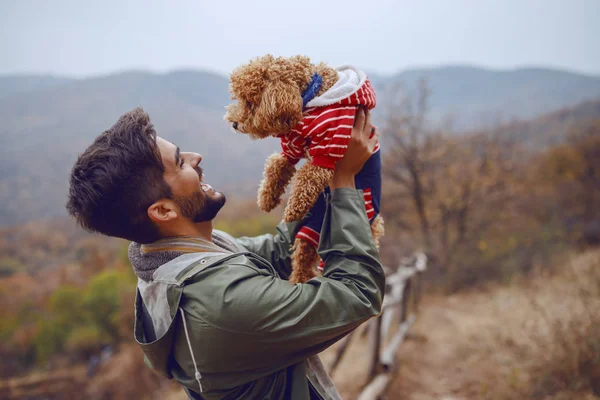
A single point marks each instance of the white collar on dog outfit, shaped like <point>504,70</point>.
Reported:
<point>350,79</point>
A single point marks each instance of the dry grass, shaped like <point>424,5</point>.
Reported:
<point>125,376</point>
<point>533,340</point>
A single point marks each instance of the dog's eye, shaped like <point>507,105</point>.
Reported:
<point>248,104</point>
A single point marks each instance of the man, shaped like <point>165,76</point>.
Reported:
<point>217,313</point>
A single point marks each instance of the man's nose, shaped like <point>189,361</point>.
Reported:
<point>194,158</point>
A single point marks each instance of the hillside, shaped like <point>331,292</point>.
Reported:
<point>48,121</point>
<point>549,129</point>
<point>44,131</point>
<point>10,85</point>
<point>477,96</point>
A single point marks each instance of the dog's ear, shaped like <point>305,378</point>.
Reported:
<point>280,108</point>
<point>246,81</point>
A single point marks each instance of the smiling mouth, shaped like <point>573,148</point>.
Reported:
<point>207,188</point>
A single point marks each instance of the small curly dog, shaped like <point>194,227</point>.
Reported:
<point>311,109</point>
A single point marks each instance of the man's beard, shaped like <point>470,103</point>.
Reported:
<point>200,207</point>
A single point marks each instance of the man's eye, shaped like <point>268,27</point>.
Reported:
<point>181,163</point>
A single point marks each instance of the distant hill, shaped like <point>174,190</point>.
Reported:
<point>47,122</point>
<point>550,129</point>
<point>478,97</point>
<point>43,132</point>
<point>29,83</point>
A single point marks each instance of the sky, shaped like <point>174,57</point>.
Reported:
<point>89,38</point>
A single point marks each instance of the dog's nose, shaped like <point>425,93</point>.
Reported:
<point>235,125</point>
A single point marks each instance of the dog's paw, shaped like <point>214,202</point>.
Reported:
<point>266,201</point>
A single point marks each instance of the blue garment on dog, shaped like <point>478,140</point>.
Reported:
<point>368,180</point>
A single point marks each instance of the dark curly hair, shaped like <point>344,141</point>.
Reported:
<point>117,178</point>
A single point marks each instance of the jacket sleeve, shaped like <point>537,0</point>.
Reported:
<point>274,248</point>
<point>287,322</point>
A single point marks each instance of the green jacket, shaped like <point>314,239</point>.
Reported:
<point>227,326</point>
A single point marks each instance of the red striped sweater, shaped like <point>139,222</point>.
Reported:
<point>324,132</point>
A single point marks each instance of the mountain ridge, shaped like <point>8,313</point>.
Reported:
<point>44,129</point>
<point>420,69</point>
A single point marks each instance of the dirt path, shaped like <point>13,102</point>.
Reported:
<point>537,339</point>
<point>430,361</point>
<point>427,365</point>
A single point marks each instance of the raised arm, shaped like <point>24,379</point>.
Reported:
<point>287,323</point>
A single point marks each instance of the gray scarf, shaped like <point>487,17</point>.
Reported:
<point>145,259</point>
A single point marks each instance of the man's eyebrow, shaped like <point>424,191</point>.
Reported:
<point>177,156</point>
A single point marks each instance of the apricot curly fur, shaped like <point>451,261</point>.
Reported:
<point>277,174</point>
<point>304,261</point>
<point>268,93</point>
<point>310,181</point>
<point>269,103</point>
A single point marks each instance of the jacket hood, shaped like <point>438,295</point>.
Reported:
<point>350,79</point>
<point>145,264</point>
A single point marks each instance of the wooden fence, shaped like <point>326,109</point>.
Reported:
<point>387,332</point>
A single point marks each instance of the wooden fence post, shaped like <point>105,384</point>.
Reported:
<point>405,287</point>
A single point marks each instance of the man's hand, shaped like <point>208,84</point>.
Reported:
<point>360,148</point>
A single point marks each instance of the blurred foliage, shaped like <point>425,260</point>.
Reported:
<point>83,319</point>
<point>84,339</point>
<point>250,226</point>
<point>101,303</point>
<point>76,319</point>
<point>45,244</point>
<point>483,206</point>
<point>10,265</point>
<point>76,310</point>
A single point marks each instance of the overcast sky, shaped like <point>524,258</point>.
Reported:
<point>83,38</point>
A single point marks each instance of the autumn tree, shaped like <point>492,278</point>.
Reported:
<point>410,147</point>
<point>569,178</point>
<point>447,190</point>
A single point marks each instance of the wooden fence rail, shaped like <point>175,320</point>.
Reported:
<point>403,289</point>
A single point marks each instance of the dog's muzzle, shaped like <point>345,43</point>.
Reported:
<point>235,125</point>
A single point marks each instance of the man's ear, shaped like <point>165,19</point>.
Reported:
<point>162,211</point>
